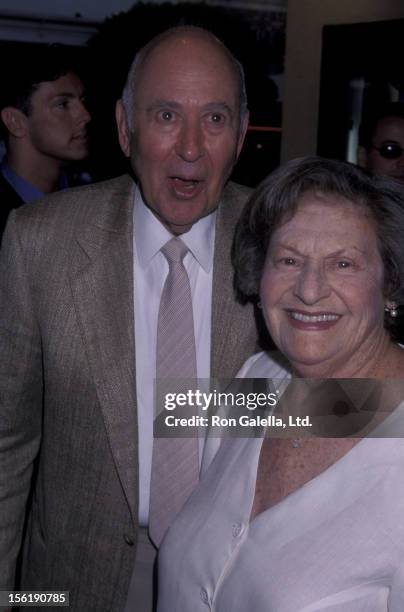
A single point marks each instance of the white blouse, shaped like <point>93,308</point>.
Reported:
<point>334,544</point>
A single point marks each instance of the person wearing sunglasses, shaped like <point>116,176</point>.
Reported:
<point>381,141</point>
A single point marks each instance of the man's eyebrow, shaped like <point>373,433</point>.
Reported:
<point>158,104</point>
<point>172,104</point>
<point>219,106</point>
<point>69,94</point>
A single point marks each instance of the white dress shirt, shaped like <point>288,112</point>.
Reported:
<point>150,271</point>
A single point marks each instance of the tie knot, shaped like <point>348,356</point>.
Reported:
<point>174,250</point>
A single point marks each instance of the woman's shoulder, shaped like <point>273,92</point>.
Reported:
<point>265,365</point>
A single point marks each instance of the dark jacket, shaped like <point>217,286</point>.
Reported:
<point>9,199</point>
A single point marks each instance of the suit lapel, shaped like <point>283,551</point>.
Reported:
<point>226,319</point>
<point>102,286</point>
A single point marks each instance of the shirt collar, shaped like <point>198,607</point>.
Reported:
<point>27,192</point>
<point>151,235</point>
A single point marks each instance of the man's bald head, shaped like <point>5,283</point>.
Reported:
<point>182,122</point>
<point>184,34</point>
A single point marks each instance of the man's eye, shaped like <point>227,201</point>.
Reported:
<point>62,104</point>
<point>216,118</point>
<point>166,115</point>
<point>288,261</point>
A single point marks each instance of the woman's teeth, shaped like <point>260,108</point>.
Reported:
<point>312,318</point>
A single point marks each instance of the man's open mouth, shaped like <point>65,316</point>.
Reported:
<point>185,187</point>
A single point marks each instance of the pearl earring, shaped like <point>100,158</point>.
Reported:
<point>392,310</point>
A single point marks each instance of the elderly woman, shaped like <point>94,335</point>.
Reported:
<point>286,525</point>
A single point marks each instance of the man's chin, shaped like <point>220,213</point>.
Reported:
<point>178,216</point>
<point>181,225</point>
<point>77,153</point>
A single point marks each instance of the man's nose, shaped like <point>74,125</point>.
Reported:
<point>312,284</point>
<point>190,141</point>
<point>82,113</point>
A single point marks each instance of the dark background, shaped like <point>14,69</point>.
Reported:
<point>373,51</point>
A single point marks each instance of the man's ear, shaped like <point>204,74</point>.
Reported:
<point>362,156</point>
<point>243,132</point>
<point>15,121</point>
<point>124,134</point>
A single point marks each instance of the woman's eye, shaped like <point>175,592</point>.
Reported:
<point>343,265</point>
<point>288,261</point>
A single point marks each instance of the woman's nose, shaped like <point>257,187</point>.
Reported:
<point>312,284</point>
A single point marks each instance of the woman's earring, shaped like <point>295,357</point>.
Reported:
<point>392,310</point>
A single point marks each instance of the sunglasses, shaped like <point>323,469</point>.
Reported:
<point>390,150</point>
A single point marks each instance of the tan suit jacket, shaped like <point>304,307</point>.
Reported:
<point>67,384</point>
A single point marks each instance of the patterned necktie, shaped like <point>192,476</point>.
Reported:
<point>175,463</point>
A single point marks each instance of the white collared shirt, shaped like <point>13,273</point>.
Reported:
<point>150,271</point>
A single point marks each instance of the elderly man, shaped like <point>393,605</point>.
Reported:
<point>104,288</point>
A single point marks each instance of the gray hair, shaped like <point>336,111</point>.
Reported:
<point>129,90</point>
<point>277,198</point>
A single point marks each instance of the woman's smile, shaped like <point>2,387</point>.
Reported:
<point>312,321</point>
<point>322,286</point>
